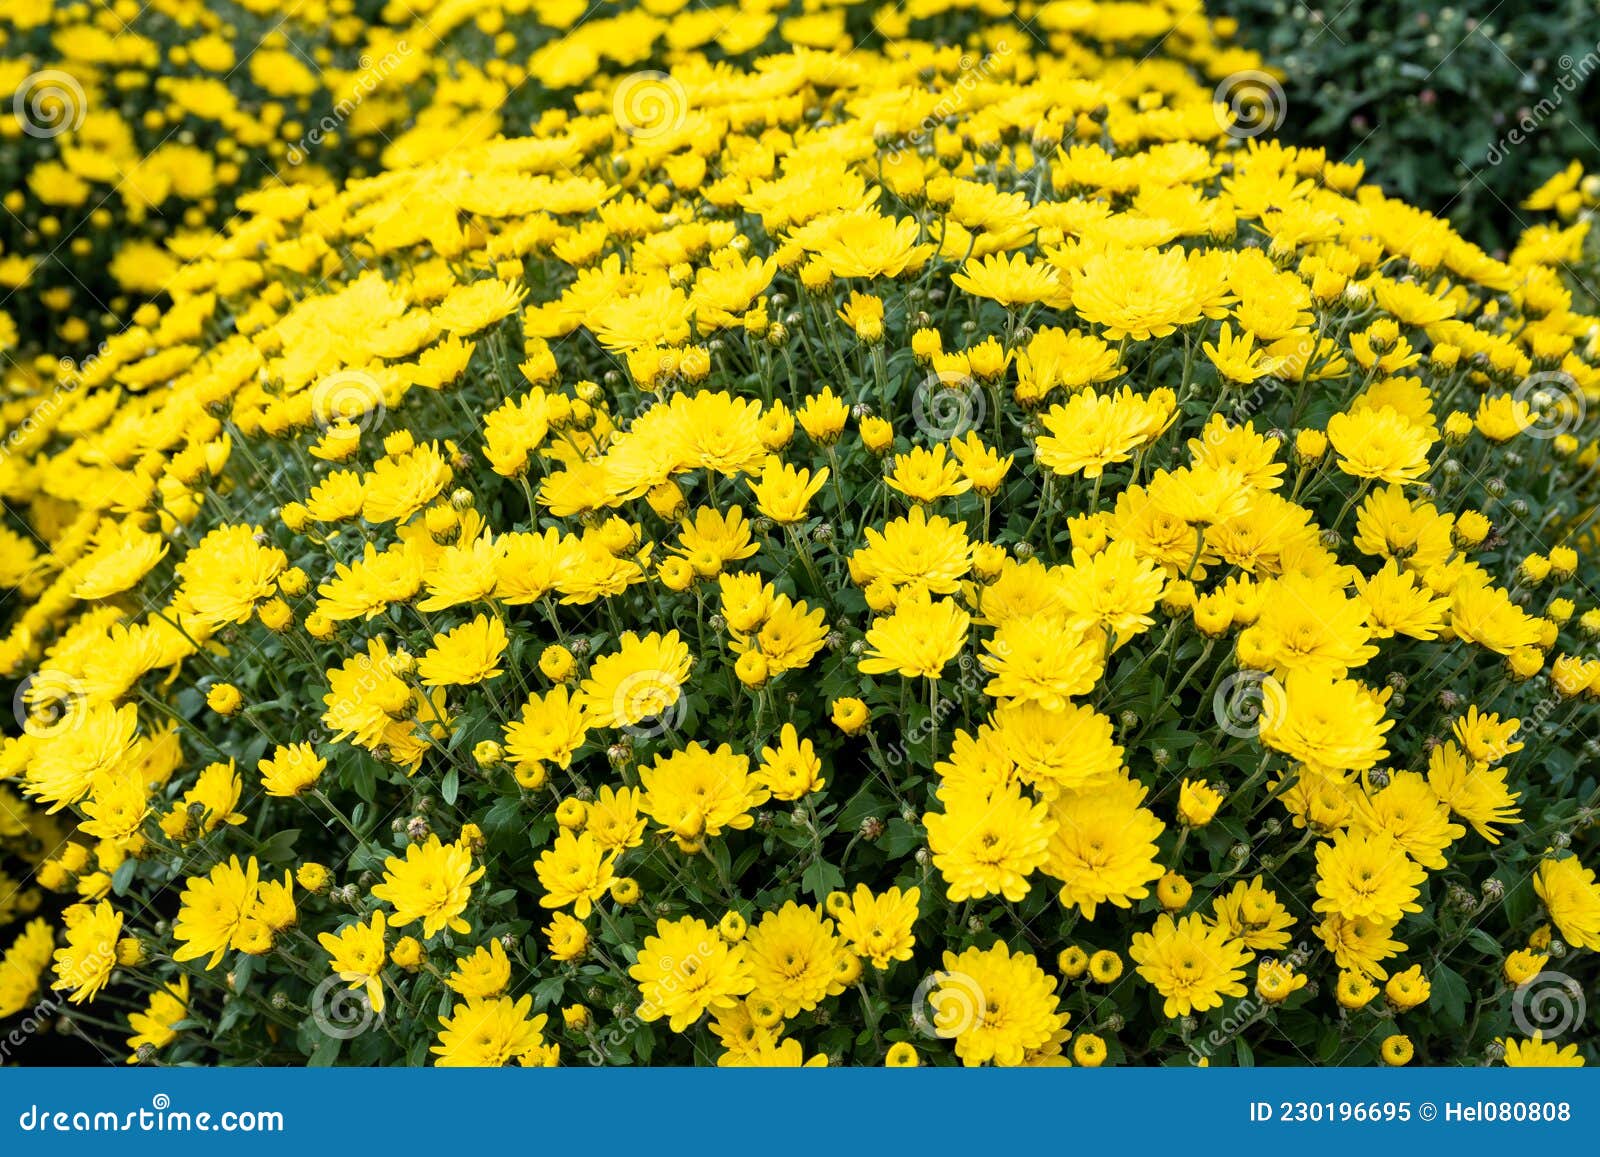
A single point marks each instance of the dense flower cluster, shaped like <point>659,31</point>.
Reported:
<point>915,553</point>
<point>137,129</point>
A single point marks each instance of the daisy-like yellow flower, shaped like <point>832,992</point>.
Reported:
<point>1538,1053</point>
<point>1367,877</point>
<point>641,679</point>
<point>696,793</point>
<point>997,1006</point>
<point>1190,963</point>
<point>293,769</point>
<point>484,973</point>
<point>489,1032</point>
<point>1011,280</point>
<point>576,870</point>
<point>1252,914</point>
<point>1380,445</point>
<point>154,1026</point>
<point>1396,1050</point>
<point>879,927</point>
<point>919,638</point>
<point>357,954</point>
<point>432,883</point>
<point>215,909</point>
<point>85,961</point>
<point>567,937</point>
<point>989,844</point>
<point>466,655</point>
<point>783,493</point>
<point>1572,897</point>
<point>794,957</point>
<point>790,769</point>
<point>686,970</point>
<point>551,728</point>
<point>1237,358</point>
<point>1276,981</point>
<point>925,475</point>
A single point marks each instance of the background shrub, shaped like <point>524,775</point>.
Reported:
<point>1430,98</point>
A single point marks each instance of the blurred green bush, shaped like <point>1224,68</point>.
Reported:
<point>1459,111</point>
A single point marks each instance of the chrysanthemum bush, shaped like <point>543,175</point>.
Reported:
<point>132,131</point>
<point>920,556</point>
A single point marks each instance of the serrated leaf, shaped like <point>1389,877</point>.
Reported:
<point>821,878</point>
<point>899,838</point>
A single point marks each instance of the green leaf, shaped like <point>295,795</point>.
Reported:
<point>326,1052</point>
<point>1520,901</point>
<point>123,876</point>
<point>1328,1044</point>
<point>279,847</point>
<point>899,838</point>
<point>821,878</point>
<point>1449,996</point>
<point>548,991</point>
<point>450,788</point>
<point>502,817</point>
<point>1482,941</point>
